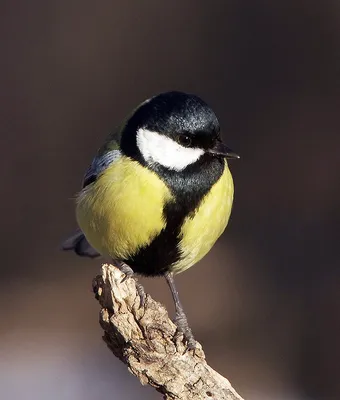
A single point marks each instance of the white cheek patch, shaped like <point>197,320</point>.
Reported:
<point>157,148</point>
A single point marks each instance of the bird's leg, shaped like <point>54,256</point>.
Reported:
<point>180,319</point>
<point>129,273</point>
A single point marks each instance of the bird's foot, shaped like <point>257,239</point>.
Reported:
<point>183,327</point>
<point>129,273</point>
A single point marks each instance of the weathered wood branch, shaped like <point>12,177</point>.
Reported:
<point>145,339</point>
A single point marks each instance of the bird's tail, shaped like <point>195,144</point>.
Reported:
<point>78,243</point>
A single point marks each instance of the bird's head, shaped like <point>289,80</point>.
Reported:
<point>173,130</point>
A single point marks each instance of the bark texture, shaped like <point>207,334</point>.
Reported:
<point>145,339</point>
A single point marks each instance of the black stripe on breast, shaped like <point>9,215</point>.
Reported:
<point>189,188</point>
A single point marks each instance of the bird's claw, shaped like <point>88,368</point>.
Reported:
<point>141,293</point>
<point>183,328</point>
<point>128,273</point>
<point>139,287</point>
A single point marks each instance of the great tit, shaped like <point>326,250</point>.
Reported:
<point>158,194</point>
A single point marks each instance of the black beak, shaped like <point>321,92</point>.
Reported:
<point>221,149</point>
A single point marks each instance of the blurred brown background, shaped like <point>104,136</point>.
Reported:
<point>265,302</point>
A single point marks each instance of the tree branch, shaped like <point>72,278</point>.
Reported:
<point>145,339</point>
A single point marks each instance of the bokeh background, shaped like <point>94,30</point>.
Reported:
<point>265,302</point>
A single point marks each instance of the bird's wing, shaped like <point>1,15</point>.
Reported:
<point>106,155</point>
<point>98,165</point>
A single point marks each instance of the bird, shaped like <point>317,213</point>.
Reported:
<point>158,194</point>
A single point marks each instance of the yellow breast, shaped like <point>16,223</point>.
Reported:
<point>123,209</point>
<point>200,231</point>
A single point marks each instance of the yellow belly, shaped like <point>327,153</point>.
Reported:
<point>201,231</point>
<point>123,209</point>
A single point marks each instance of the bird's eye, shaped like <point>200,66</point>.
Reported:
<point>184,140</point>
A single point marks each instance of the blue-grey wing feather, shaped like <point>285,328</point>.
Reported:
<point>99,164</point>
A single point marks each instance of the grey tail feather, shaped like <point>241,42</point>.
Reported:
<point>78,243</point>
